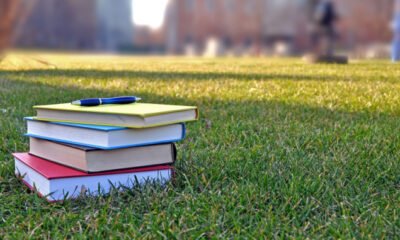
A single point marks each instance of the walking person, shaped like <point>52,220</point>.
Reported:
<point>323,37</point>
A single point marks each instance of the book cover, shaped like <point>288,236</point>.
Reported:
<point>104,137</point>
<point>97,160</point>
<point>51,170</point>
<point>136,109</point>
<point>134,115</point>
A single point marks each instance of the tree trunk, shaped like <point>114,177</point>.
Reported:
<point>8,15</point>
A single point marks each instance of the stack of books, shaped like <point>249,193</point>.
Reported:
<point>77,150</point>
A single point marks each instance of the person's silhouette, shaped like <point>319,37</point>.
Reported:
<point>324,20</point>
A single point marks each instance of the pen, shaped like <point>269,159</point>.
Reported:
<point>100,101</point>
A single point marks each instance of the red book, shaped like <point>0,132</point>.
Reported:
<point>57,182</point>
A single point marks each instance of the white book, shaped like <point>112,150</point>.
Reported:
<point>104,137</point>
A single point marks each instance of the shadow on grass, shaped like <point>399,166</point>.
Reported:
<point>239,126</point>
<point>167,75</point>
<point>264,156</point>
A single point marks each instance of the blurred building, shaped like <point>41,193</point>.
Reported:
<point>259,26</point>
<point>77,24</point>
<point>237,27</point>
<point>114,24</point>
<point>149,41</point>
<point>364,22</point>
<point>285,25</point>
<point>241,25</point>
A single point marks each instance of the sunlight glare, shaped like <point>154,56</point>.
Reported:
<point>149,12</point>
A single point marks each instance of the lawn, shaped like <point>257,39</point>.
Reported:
<point>281,150</point>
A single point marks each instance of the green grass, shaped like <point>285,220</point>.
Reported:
<point>282,149</point>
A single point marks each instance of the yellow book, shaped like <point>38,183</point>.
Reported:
<point>133,115</point>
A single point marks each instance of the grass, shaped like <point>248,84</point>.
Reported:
<point>282,149</point>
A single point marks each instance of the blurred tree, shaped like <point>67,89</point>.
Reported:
<point>8,17</point>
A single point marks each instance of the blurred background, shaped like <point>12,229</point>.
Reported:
<point>192,27</point>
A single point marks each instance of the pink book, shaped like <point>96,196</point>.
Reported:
<point>57,182</point>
